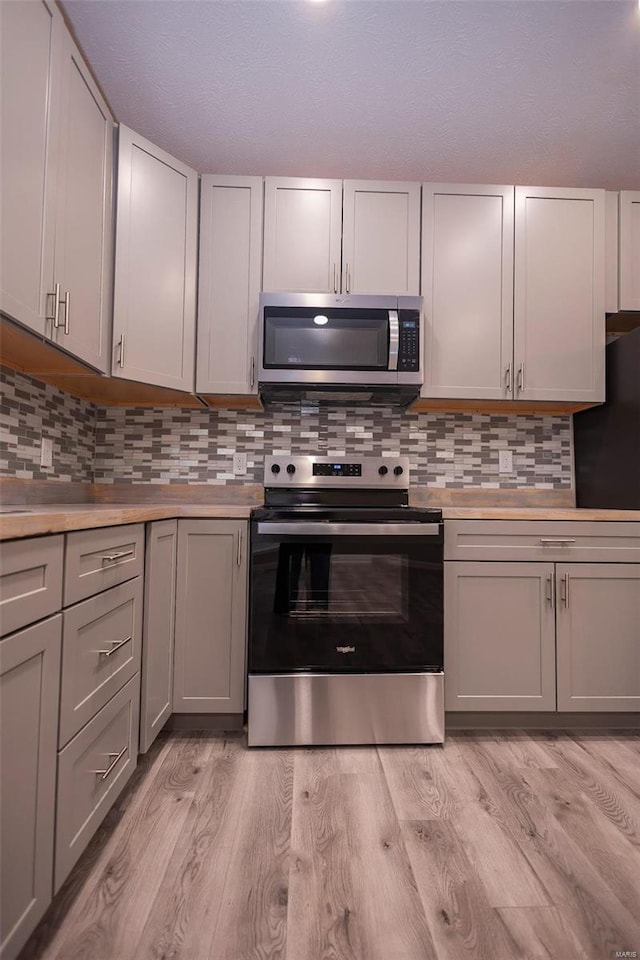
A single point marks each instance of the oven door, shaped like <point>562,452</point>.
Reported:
<point>345,598</point>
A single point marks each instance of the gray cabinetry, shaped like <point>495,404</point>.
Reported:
<point>56,174</point>
<point>499,636</point>
<point>30,581</point>
<point>29,683</point>
<point>598,636</point>
<point>92,770</point>
<point>101,650</point>
<point>154,309</point>
<point>159,629</point>
<point>229,284</point>
<point>532,607</point>
<point>102,558</point>
<point>211,611</point>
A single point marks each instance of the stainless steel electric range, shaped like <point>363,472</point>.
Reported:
<point>346,606</point>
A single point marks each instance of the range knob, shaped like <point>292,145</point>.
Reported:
<point>291,468</point>
<point>275,468</point>
<point>383,470</point>
<point>398,471</point>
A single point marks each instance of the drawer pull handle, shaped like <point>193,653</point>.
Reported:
<point>113,557</point>
<point>115,645</point>
<point>114,757</point>
<point>557,540</point>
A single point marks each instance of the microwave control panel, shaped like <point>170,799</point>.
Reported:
<point>409,340</point>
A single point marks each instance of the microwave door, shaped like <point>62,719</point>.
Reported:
<point>329,339</point>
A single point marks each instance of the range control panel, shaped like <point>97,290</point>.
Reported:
<point>409,340</point>
<point>311,471</point>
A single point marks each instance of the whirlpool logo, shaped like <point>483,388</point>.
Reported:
<point>346,649</point>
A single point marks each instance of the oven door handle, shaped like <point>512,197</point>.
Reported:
<point>320,528</point>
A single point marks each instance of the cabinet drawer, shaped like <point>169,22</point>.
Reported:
<point>30,581</point>
<point>101,650</point>
<point>99,559</point>
<point>92,770</point>
<point>555,540</point>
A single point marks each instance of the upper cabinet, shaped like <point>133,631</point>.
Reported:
<point>317,241</point>
<point>514,307</point>
<point>302,235</point>
<point>229,283</point>
<point>467,285</point>
<point>629,256</point>
<point>381,238</point>
<point>56,185</point>
<point>559,315</point>
<point>154,310</point>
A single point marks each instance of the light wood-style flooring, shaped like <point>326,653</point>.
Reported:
<point>497,846</point>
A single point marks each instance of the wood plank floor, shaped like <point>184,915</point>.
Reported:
<point>497,846</point>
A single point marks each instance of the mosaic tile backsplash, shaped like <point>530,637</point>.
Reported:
<point>31,410</point>
<point>112,444</point>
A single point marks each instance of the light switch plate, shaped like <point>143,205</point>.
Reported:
<point>505,461</point>
<point>46,453</point>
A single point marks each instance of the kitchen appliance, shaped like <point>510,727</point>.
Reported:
<point>346,606</point>
<point>607,438</point>
<point>339,348</point>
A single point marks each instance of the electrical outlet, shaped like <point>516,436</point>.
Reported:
<point>505,461</point>
<point>239,463</point>
<point>46,453</point>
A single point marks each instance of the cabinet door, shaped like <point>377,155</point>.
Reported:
<point>230,270</point>
<point>381,237</point>
<point>467,285</point>
<point>31,37</point>
<point>598,636</point>
<point>630,250</point>
<point>302,235</point>
<point>155,270</point>
<point>29,680</point>
<point>559,327</point>
<point>499,637</point>
<point>211,613</point>
<point>159,629</point>
<point>84,215</point>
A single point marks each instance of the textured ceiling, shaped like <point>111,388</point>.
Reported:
<point>513,91</point>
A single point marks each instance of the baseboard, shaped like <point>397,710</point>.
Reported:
<point>205,721</point>
<point>552,720</point>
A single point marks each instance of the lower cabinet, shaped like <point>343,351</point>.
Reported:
<point>499,636</point>
<point>29,692</point>
<point>156,695</point>
<point>211,616</point>
<point>598,636</point>
<point>92,770</point>
<point>515,632</point>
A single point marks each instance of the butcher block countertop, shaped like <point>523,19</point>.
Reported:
<point>37,519</point>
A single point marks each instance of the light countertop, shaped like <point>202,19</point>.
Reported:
<point>37,519</point>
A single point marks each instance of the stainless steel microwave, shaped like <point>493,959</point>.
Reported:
<point>334,347</point>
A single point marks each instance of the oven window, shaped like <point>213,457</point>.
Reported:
<point>345,604</point>
<point>349,340</point>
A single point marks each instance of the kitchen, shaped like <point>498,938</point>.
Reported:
<point>498,844</point>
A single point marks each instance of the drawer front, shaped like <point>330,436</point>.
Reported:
<point>101,651</point>
<point>99,559</point>
<point>30,581</point>
<point>92,770</point>
<point>555,540</point>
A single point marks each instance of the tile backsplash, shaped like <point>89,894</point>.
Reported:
<point>113,444</point>
<point>31,410</point>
